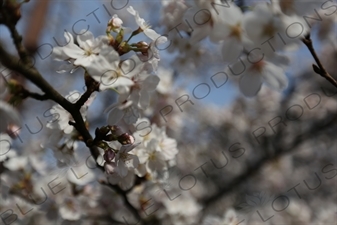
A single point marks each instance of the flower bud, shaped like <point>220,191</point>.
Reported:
<point>116,130</point>
<point>115,22</point>
<point>104,130</point>
<point>110,137</point>
<point>101,133</point>
<point>13,131</point>
<point>143,47</point>
<point>126,139</point>
<point>109,155</point>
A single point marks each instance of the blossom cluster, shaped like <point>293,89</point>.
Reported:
<point>133,78</point>
<point>253,43</point>
<point>129,70</point>
<point>55,177</point>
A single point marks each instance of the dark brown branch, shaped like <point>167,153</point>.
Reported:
<point>24,66</point>
<point>16,37</point>
<point>36,96</point>
<point>18,90</point>
<point>92,86</point>
<point>258,164</point>
<point>319,68</point>
<point>13,63</point>
<point>26,69</point>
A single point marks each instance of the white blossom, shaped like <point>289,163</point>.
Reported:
<point>152,157</point>
<point>70,209</point>
<point>87,49</point>
<point>153,35</point>
<point>124,160</point>
<point>9,116</point>
<point>257,71</point>
<point>272,31</point>
<point>6,150</point>
<point>124,109</point>
<point>111,72</point>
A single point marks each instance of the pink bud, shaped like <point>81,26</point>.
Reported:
<point>13,131</point>
<point>109,155</point>
<point>126,139</point>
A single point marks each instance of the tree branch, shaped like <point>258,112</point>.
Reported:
<point>26,69</point>
<point>35,95</point>
<point>254,167</point>
<point>92,86</point>
<point>319,68</point>
<point>13,63</point>
<point>16,37</point>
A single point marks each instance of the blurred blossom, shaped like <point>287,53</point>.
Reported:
<point>9,116</point>
<point>160,147</point>
<point>70,209</point>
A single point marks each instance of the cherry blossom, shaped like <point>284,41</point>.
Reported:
<point>229,218</point>
<point>125,109</point>
<point>300,8</point>
<point>125,182</point>
<point>6,150</point>
<point>9,116</point>
<point>158,151</point>
<point>152,157</point>
<point>173,12</point>
<point>116,23</point>
<point>272,31</point>
<point>111,72</point>
<point>257,71</point>
<point>125,160</point>
<point>153,35</point>
<point>16,163</point>
<point>166,80</point>
<point>228,29</point>
<point>70,209</point>
<point>87,49</point>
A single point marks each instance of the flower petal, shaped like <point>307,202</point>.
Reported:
<point>122,169</point>
<point>250,84</point>
<point>85,40</point>
<point>115,116</point>
<point>274,76</point>
<point>231,49</point>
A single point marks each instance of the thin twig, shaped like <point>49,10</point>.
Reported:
<point>16,37</point>
<point>36,96</point>
<point>23,93</point>
<point>319,68</point>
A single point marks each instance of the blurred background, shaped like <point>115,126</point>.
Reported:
<point>270,159</point>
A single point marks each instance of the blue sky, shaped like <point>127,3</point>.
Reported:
<point>82,13</point>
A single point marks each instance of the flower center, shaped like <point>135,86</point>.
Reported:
<point>236,31</point>
<point>88,52</point>
<point>258,66</point>
<point>287,6</point>
<point>123,156</point>
<point>152,156</point>
<point>269,29</point>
